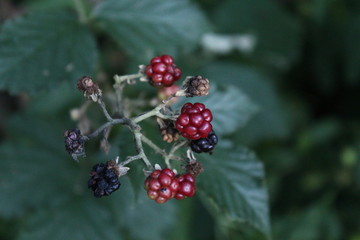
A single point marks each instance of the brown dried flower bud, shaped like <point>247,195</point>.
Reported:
<point>194,168</point>
<point>168,130</point>
<point>196,86</point>
<point>170,134</point>
<point>89,88</point>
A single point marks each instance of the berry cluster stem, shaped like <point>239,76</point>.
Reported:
<point>103,107</point>
<point>174,148</point>
<point>160,151</point>
<point>120,79</point>
<point>132,123</point>
<point>156,112</point>
<point>119,85</point>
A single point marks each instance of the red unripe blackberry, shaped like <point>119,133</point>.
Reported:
<point>186,186</point>
<point>162,71</point>
<point>161,185</point>
<point>194,121</point>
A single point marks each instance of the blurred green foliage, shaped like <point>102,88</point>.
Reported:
<point>287,85</point>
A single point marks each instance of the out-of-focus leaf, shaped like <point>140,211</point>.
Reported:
<point>316,222</point>
<point>277,33</point>
<point>352,49</point>
<point>234,189</point>
<point>269,121</point>
<point>48,4</point>
<point>136,218</point>
<point>144,28</point>
<point>34,169</point>
<point>61,100</point>
<point>77,220</point>
<point>41,50</point>
<point>231,108</point>
<point>29,178</point>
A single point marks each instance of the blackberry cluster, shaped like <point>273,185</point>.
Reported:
<point>204,144</point>
<point>104,180</point>
<point>74,143</point>
<point>194,121</point>
<point>186,186</point>
<point>162,71</point>
<point>161,185</point>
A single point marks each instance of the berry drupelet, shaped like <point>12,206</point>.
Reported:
<point>204,144</point>
<point>104,179</point>
<point>162,71</point>
<point>194,121</point>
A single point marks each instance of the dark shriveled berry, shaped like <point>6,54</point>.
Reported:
<point>204,144</point>
<point>196,86</point>
<point>74,143</point>
<point>194,168</point>
<point>104,179</point>
<point>89,88</point>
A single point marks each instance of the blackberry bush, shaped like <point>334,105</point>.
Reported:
<point>192,122</point>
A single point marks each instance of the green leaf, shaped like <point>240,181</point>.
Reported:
<point>77,220</point>
<point>29,178</point>
<point>269,121</point>
<point>34,163</point>
<point>144,27</point>
<point>318,221</point>
<point>38,51</point>
<point>40,5</point>
<point>232,186</point>
<point>238,111</point>
<point>137,219</point>
<point>276,32</point>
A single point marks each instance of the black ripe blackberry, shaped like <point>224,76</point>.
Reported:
<point>74,144</point>
<point>104,179</point>
<point>204,144</point>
